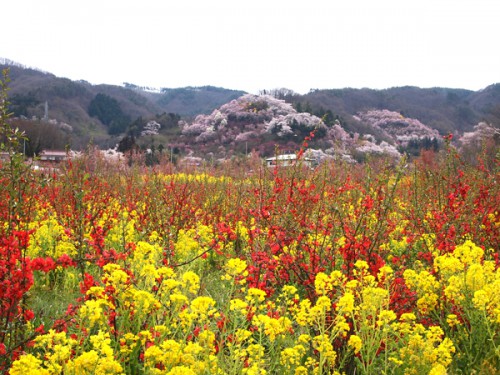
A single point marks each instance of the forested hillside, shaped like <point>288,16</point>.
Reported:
<point>406,119</point>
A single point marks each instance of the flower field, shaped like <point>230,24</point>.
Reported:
<point>346,269</point>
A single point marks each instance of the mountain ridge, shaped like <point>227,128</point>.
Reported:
<point>445,110</point>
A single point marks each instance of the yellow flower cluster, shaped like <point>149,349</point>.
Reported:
<point>323,345</point>
<point>237,304</point>
<point>191,282</point>
<point>325,284</point>
<point>236,269</point>
<point>122,227</point>
<point>291,358</point>
<point>255,296</point>
<point>58,356</point>
<point>272,327</point>
<point>145,260</point>
<point>426,286</point>
<point>192,242</point>
<point>28,364</point>
<point>355,343</point>
<point>92,312</point>
<point>426,350</point>
<point>467,276</point>
<point>242,230</point>
<point>256,361</point>
<point>199,311</point>
<point>172,357</point>
<point>50,239</point>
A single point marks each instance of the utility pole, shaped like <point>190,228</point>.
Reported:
<point>46,115</point>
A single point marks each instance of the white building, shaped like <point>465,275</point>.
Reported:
<point>288,160</point>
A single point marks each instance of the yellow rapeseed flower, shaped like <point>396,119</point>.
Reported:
<point>181,370</point>
<point>172,352</point>
<point>236,267</point>
<point>345,304</point>
<point>355,343</point>
<point>385,273</point>
<point>302,313</point>
<point>341,326</point>
<point>322,284</point>
<point>92,311</point>
<point>28,364</point>
<point>239,305</point>
<point>152,356</point>
<point>241,335</point>
<point>272,327</point>
<point>191,282</point>
<point>361,265</point>
<point>202,307</point>
<point>84,364</point>
<point>385,317</point>
<point>206,339</point>
<point>323,345</point>
<point>291,357</point>
<point>374,298</point>
<point>438,369</point>
<point>468,253</point>
<point>145,303</point>
<point>255,295</point>
<point>452,320</point>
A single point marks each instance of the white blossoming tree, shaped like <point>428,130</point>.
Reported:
<point>484,140</point>
<point>397,127</point>
<point>251,116</point>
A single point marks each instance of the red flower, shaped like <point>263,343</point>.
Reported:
<point>28,315</point>
<point>40,329</point>
<point>44,264</point>
<point>65,261</point>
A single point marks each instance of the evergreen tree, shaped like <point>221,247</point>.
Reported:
<point>109,112</point>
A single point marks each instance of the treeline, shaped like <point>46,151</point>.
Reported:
<point>40,135</point>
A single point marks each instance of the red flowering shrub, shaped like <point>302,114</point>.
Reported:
<point>16,278</point>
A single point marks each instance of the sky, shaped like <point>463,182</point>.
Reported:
<point>258,44</point>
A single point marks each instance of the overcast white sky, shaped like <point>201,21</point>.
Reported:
<point>258,44</point>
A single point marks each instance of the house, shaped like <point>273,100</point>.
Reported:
<point>53,156</point>
<point>49,161</point>
<point>288,160</point>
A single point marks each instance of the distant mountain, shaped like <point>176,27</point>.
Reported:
<point>191,101</point>
<point>222,122</point>
<point>444,109</point>
<point>68,101</point>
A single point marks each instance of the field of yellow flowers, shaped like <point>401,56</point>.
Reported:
<point>347,269</point>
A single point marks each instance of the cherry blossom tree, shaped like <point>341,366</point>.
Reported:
<point>483,141</point>
<point>397,127</point>
<point>295,123</point>
<point>252,116</point>
<point>482,132</point>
